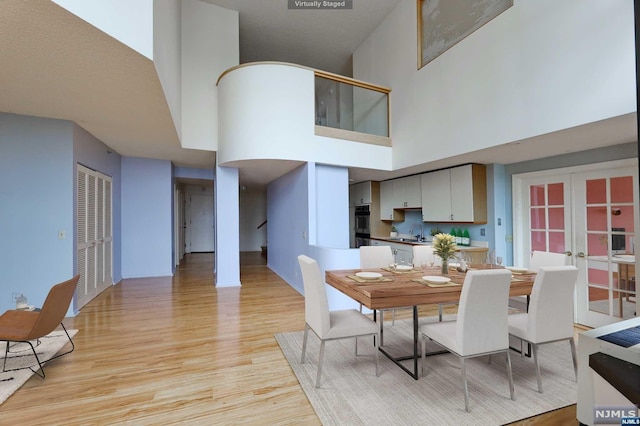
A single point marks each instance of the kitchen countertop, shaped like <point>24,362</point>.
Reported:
<point>413,242</point>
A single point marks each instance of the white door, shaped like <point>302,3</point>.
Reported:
<point>605,245</point>
<point>575,211</point>
<point>94,236</point>
<point>201,223</point>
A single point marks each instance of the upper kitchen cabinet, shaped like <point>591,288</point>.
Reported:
<point>458,194</point>
<point>397,195</point>
<point>360,194</point>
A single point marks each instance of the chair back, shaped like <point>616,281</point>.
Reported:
<point>482,312</point>
<point>423,255</point>
<point>551,304</point>
<point>54,309</point>
<point>316,305</point>
<point>546,258</point>
<point>375,257</point>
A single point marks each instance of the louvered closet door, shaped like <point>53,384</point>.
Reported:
<point>94,234</point>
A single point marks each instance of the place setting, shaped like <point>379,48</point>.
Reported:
<point>368,277</point>
<point>436,281</point>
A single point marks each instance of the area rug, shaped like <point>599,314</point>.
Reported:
<point>21,355</point>
<point>350,393</point>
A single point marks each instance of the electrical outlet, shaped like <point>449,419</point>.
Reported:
<point>482,232</point>
<point>509,238</point>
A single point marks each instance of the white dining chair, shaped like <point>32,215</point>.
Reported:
<point>423,256</point>
<point>330,325</point>
<point>377,257</point>
<point>550,316</point>
<point>538,259</point>
<point>481,326</point>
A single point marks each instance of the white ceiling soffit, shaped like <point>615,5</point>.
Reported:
<point>600,134</point>
<point>53,64</point>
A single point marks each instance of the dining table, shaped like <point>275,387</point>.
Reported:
<point>387,288</point>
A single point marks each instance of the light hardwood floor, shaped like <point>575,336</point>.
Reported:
<point>160,351</point>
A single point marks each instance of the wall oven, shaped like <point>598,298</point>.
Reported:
<point>363,232</point>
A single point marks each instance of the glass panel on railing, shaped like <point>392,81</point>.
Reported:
<point>345,106</point>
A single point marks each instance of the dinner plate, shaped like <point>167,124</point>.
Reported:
<point>368,275</point>
<point>434,279</point>
<point>517,270</point>
<point>404,268</point>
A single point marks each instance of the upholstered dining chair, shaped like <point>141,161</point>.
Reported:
<point>424,255</point>
<point>550,316</point>
<point>377,257</point>
<point>329,325</point>
<point>538,259</point>
<point>481,326</point>
<point>25,326</point>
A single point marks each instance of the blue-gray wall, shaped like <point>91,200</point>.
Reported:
<point>147,210</point>
<point>36,202</point>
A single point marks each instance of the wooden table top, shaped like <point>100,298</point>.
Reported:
<point>403,291</point>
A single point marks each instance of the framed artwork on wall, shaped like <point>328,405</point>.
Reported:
<point>444,23</point>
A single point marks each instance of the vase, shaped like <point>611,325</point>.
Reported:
<point>445,267</point>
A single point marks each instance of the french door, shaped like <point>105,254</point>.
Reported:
<point>94,236</point>
<point>589,213</point>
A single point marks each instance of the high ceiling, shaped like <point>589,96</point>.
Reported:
<point>53,64</point>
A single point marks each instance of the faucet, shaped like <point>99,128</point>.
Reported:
<point>421,230</point>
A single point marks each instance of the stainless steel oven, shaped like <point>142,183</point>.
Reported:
<point>362,220</point>
<point>363,232</point>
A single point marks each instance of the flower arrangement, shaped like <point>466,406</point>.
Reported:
<point>444,245</point>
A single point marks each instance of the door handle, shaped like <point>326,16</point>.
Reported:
<point>568,253</point>
<point>581,254</point>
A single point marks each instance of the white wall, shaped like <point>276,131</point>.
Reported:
<point>257,121</point>
<point>129,21</point>
<point>166,55</point>
<point>210,45</point>
<point>539,67</point>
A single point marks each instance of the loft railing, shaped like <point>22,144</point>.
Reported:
<point>345,108</point>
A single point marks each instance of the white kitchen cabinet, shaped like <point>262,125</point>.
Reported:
<point>360,194</point>
<point>402,193</point>
<point>458,194</point>
<point>386,200</point>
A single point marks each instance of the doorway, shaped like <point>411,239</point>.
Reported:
<point>590,213</point>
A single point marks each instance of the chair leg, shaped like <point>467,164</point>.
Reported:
<point>393,317</point>
<point>304,342</point>
<point>320,358</point>
<point>510,375</point>
<point>381,328</point>
<point>573,356</point>
<point>356,345</point>
<point>537,364</point>
<point>464,384</point>
<point>422,354</point>
<point>377,342</point>
<point>6,355</point>
<point>439,312</point>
